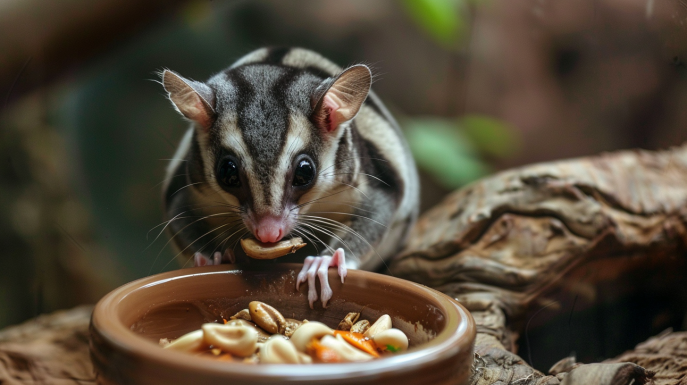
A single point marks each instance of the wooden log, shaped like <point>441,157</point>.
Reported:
<point>500,243</point>
<point>50,349</point>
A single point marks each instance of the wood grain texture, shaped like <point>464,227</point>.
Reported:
<point>500,243</point>
<point>50,349</point>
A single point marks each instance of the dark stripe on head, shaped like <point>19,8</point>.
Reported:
<point>344,162</point>
<point>195,167</point>
<point>275,55</point>
<point>263,115</point>
<point>178,180</point>
<point>375,107</point>
<point>372,162</point>
<point>319,72</point>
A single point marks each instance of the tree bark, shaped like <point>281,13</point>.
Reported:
<point>501,243</point>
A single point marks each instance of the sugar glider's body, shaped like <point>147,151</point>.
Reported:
<point>282,143</point>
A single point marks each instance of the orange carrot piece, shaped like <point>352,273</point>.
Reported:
<point>358,340</point>
<point>322,353</point>
<point>225,321</point>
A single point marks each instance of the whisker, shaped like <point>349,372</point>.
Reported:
<point>322,229</point>
<point>175,217</point>
<point>217,236</point>
<point>295,230</point>
<point>183,228</point>
<point>343,203</point>
<point>350,230</point>
<point>361,173</point>
<point>336,212</point>
<point>359,190</point>
<point>221,246</point>
<point>188,185</point>
<point>167,223</point>
<point>233,249</point>
<point>163,181</point>
<point>191,244</point>
<point>316,237</point>
<point>353,157</point>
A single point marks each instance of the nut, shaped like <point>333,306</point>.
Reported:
<point>304,334</point>
<point>348,321</point>
<point>259,250</point>
<point>278,350</point>
<point>237,340</point>
<point>243,314</point>
<point>262,335</point>
<point>382,323</point>
<point>344,350</point>
<point>361,326</point>
<point>267,317</point>
<point>188,342</point>
<point>392,339</point>
<point>291,326</point>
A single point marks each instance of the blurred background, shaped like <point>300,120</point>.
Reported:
<point>478,86</point>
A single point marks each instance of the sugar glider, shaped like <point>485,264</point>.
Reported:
<point>285,143</point>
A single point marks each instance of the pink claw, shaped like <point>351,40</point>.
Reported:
<point>339,259</point>
<point>318,266</point>
<point>200,260</point>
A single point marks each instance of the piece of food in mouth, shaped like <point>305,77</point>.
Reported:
<point>259,250</point>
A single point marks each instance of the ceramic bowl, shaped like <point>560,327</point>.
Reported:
<point>128,322</point>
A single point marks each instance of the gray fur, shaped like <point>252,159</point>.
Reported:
<point>264,106</point>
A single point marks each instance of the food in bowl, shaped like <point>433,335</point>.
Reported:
<point>128,323</point>
<point>261,334</point>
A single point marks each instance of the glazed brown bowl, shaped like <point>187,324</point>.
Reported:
<point>128,323</point>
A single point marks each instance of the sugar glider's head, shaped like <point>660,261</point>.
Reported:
<point>269,135</point>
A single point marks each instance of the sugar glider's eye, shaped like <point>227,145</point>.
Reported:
<point>228,173</point>
<point>305,172</point>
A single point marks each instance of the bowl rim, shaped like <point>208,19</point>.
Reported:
<point>458,334</point>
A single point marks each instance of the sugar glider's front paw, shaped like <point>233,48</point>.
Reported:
<point>201,260</point>
<point>318,266</point>
<point>217,258</point>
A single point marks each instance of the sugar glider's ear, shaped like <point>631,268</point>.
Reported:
<point>338,100</point>
<point>194,100</point>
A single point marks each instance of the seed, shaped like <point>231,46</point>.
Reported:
<point>291,326</point>
<point>344,350</point>
<point>188,342</point>
<point>361,326</point>
<point>382,323</point>
<point>278,350</point>
<point>267,317</point>
<point>348,321</point>
<point>262,335</point>
<point>243,314</point>
<point>304,334</point>
<point>391,339</point>
<point>237,340</point>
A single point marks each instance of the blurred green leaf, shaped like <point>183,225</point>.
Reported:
<point>442,19</point>
<point>491,136</point>
<point>441,150</point>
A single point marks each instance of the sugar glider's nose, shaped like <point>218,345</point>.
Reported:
<point>269,229</point>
